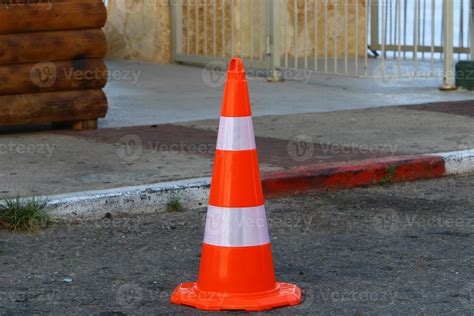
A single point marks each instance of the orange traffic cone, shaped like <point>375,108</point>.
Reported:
<point>236,270</point>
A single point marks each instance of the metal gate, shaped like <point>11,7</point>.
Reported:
<point>205,31</point>
<point>359,38</point>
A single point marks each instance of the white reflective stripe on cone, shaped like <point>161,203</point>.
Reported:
<point>236,227</point>
<point>236,133</point>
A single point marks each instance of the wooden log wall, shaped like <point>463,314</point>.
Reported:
<point>51,67</point>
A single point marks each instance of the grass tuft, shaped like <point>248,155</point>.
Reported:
<point>390,176</point>
<point>174,205</point>
<point>23,215</point>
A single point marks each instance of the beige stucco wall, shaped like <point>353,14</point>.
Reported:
<point>334,26</point>
<point>140,29</point>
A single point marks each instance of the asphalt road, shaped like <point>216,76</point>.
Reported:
<point>391,250</point>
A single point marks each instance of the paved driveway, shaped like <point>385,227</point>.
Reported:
<point>399,250</point>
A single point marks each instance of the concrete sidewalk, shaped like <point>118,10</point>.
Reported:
<point>55,162</point>
<point>146,94</point>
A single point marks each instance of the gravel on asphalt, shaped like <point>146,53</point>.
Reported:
<point>398,249</point>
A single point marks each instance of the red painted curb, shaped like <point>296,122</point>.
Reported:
<point>345,175</point>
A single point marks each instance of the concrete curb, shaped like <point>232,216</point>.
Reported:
<point>345,175</point>
<point>194,193</point>
<point>458,162</point>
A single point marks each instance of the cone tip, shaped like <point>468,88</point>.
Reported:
<point>236,70</point>
<point>236,97</point>
<point>236,65</point>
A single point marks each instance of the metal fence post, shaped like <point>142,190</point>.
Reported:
<point>274,40</point>
<point>448,46</point>
<point>471,28</point>
<point>176,10</point>
<point>374,24</point>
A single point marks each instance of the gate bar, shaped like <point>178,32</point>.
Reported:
<point>448,75</point>
<point>274,33</point>
<point>471,29</point>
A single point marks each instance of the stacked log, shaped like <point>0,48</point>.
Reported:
<point>51,67</point>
